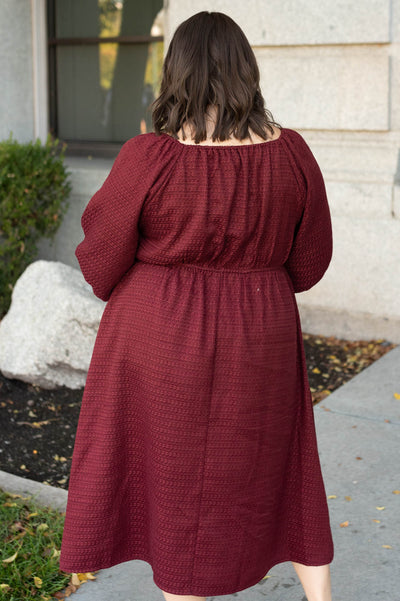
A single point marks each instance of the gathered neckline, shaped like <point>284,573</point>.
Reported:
<point>229,146</point>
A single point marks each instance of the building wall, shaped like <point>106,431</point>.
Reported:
<point>16,98</point>
<point>332,72</point>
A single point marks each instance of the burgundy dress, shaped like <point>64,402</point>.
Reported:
<point>196,447</point>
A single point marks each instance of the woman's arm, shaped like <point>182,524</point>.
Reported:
<point>110,222</point>
<point>312,246</point>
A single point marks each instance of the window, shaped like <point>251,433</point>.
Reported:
<point>105,60</point>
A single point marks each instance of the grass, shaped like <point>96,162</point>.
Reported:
<point>30,537</point>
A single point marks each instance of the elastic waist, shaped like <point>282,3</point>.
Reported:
<point>196,266</point>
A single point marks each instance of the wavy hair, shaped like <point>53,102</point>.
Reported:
<point>210,62</point>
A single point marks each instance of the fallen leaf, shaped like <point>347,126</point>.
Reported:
<point>397,395</point>
<point>40,424</point>
<point>358,457</point>
<point>344,524</point>
<point>332,496</point>
<point>75,579</point>
<point>17,526</point>
<point>377,521</point>
<point>35,424</point>
<point>58,458</point>
<point>387,546</point>
<point>380,508</point>
<point>71,588</point>
<point>396,492</point>
<point>14,495</point>
<point>11,558</point>
<point>348,498</point>
<point>90,576</point>
<point>38,581</point>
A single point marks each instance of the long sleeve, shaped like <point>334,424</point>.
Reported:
<point>311,250</point>
<point>110,222</point>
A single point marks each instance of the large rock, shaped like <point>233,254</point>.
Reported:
<point>47,336</point>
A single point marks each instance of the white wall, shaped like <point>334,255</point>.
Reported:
<point>23,70</point>
<point>296,22</point>
<point>16,98</point>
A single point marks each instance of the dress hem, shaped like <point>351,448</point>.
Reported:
<point>216,591</point>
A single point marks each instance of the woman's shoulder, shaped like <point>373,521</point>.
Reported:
<point>147,139</point>
<point>301,155</point>
<point>298,146</point>
<point>294,136</point>
<point>138,143</point>
<point>140,148</point>
<point>150,145</point>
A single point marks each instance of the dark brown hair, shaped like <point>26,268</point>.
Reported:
<point>210,62</point>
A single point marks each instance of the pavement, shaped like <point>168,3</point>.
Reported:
<point>358,432</point>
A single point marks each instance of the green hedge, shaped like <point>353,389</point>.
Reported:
<point>34,188</point>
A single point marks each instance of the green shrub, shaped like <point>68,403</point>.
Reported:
<point>34,188</point>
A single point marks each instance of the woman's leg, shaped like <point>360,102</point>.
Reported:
<point>316,581</point>
<point>171,597</point>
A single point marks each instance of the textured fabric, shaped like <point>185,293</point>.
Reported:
<point>196,447</point>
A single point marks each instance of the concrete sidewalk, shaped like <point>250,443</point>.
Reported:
<point>358,431</point>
